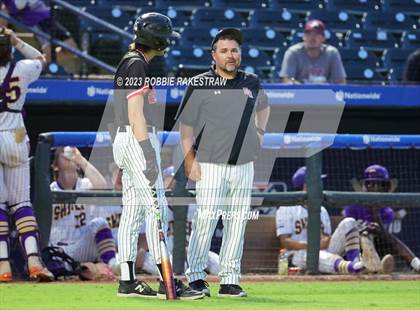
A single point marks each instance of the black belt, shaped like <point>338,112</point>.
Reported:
<point>150,129</point>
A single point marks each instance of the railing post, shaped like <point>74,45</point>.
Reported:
<point>315,198</point>
<point>42,194</point>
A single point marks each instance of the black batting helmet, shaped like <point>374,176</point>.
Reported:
<point>5,48</point>
<point>154,30</point>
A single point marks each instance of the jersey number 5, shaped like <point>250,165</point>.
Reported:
<point>13,93</point>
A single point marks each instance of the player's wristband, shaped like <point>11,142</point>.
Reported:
<point>260,131</point>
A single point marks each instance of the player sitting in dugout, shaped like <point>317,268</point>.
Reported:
<point>75,227</point>
<point>339,252</point>
<point>377,223</point>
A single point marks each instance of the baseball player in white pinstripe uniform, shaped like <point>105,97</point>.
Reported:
<point>76,228</point>
<point>137,152</point>
<point>226,124</point>
<point>15,204</point>
<point>292,231</point>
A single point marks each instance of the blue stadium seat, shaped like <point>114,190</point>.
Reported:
<point>363,74</point>
<point>283,20</point>
<point>297,5</point>
<point>336,21</point>
<point>220,18</point>
<point>83,3</point>
<point>395,57</point>
<point>357,6</point>
<point>114,15</point>
<point>278,58</point>
<point>181,4</point>
<point>126,4</point>
<point>359,57</point>
<point>197,37</point>
<point>371,39</point>
<point>188,58</point>
<point>240,5</point>
<point>180,18</point>
<point>411,39</point>
<point>392,21</point>
<point>396,74</point>
<point>107,47</point>
<point>330,38</point>
<point>408,6</point>
<point>256,58</point>
<point>265,39</point>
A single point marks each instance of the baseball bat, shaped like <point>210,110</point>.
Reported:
<point>167,274</point>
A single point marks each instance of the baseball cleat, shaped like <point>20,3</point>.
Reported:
<point>5,271</point>
<point>370,257</point>
<point>135,289</point>
<point>387,264</point>
<point>37,271</point>
<point>200,286</point>
<point>231,290</point>
<point>183,292</point>
<point>40,274</point>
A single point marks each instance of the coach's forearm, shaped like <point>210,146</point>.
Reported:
<point>262,118</point>
<point>187,142</point>
<point>295,245</point>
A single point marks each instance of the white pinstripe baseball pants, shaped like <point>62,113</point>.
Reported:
<point>221,188</point>
<point>137,197</point>
<point>14,172</point>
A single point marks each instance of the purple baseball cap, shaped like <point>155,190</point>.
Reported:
<point>376,173</point>
<point>299,177</point>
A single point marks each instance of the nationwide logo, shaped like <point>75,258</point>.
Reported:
<point>281,94</point>
<point>37,90</point>
<point>93,91</point>
<point>372,139</point>
<point>301,139</point>
<point>341,95</point>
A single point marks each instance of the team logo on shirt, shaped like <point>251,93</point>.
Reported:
<point>248,92</point>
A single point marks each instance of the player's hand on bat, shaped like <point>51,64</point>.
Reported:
<point>152,169</point>
<point>193,170</point>
<point>12,34</point>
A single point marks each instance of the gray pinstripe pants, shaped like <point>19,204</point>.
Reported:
<point>221,188</point>
<point>137,197</point>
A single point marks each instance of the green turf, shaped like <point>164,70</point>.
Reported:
<point>292,295</point>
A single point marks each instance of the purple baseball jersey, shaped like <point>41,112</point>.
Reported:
<point>359,212</point>
<point>31,14</point>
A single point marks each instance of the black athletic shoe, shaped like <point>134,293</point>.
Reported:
<point>135,289</point>
<point>200,286</point>
<point>231,290</point>
<point>183,292</point>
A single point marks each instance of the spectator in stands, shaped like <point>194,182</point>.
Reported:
<point>412,68</point>
<point>312,61</point>
<point>376,179</point>
<point>291,228</point>
<point>80,233</point>
<point>36,14</point>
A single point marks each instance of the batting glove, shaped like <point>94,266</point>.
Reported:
<point>152,170</point>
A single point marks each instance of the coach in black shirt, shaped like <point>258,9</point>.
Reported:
<point>222,128</point>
